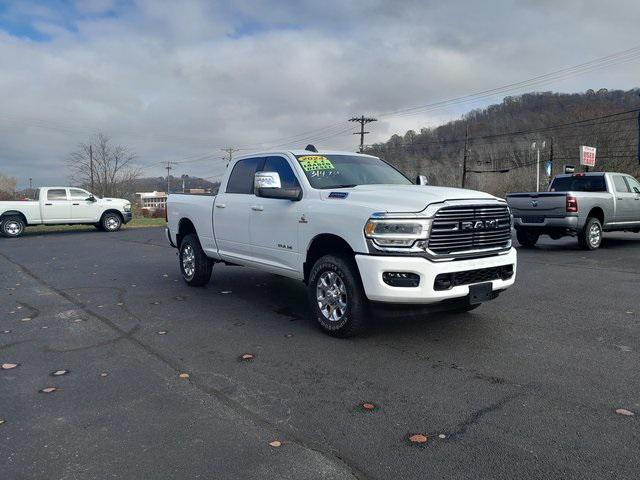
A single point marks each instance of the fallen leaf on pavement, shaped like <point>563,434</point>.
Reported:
<point>226,291</point>
<point>9,366</point>
<point>417,438</point>
<point>368,406</point>
<point>48,390</point>
<point>25,319</point>
<point>442,435</point>
<point>247,357</point>
<point>58,373</point>
<point>625,412</point>
<point>275,443</point>
<point>2,420</point>
<point>288,335</point>
<point>6,331</point>
<point>104,374</point>
<point>162,332</point>
<point>184,375</point>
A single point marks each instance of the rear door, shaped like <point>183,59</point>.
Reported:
<point>625,200</point>
<point>275,221</point>
<point>232,211</point>
<point>82,209</point>
<point>56,206</point>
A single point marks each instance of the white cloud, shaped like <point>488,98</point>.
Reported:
<point>176,80</point>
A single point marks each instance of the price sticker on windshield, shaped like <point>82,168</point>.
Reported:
<point>315,163</point>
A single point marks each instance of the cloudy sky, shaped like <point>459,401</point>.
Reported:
<point>179,80</point>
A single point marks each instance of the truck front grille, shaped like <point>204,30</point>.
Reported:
<point>464,228</point>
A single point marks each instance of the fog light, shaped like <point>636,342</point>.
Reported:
<point>444,281</point>
<point>401,279</point>
<point>506,272</point>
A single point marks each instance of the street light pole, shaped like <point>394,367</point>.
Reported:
<point>535,146</point>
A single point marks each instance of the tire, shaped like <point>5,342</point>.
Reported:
<point>527,238</point>
<point>13,226</point>
<point>111,222</point>
<point>590,238</point>
<point>336,296</point>
<point>195,266</point>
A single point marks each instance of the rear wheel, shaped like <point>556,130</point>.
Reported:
<point>527,238</point>
<point>13,226</point>
<point>336,296</point>
<point>111,222</point>
<point>195,266</point>
<point>590,238</point>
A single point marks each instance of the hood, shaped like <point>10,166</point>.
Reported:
<point>402,198</point>
<point>114,201</point>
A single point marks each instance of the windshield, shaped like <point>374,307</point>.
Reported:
<point>336,171</point>
<point>582,183</point>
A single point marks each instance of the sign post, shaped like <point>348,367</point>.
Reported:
<point>587,156</point>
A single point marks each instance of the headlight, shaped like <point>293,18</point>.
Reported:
<point>127,207</point>
<point>397,233</point>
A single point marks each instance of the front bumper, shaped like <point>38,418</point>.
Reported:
<point>127,217</point>
<point>372,267</point>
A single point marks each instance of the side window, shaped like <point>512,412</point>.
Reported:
<point>282,167</point>
<point>634,185</point>
<point>77,194</point>
<point>57,194</point>
<point>241,178</point>
<point>621,185</point>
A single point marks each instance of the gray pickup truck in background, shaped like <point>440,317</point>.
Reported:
<point>582,204</point>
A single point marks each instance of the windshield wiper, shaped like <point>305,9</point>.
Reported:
<point>340,186</point>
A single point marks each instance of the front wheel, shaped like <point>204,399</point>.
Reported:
<point>111,222</point>
<point>336,296</point>
<point>195,266</point>
<point>590,238</point>
<point>13,227</point>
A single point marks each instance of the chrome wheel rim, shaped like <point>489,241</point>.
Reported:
<point>595,235</point>
<point>112,223</point>
<point>331,294</point>
<point>188,261</point>
<point>13,228</point>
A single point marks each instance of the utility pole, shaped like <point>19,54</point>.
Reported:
<point>30,183</point>
<point>91,165</point>
<point>638,137</point>
<point>465,156</point>
<point>230,151</point>
<point>169,168</point>
<point>362,120</point>
<point>536,147</point>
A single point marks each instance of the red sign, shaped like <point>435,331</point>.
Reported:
<point>588,156</point>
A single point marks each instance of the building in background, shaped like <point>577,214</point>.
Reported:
<point>152,200</point>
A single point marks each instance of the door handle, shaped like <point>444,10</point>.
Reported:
<point>619,198</point>
<point>257,208</point>
<point>220,205</point>
<point>48,204</point>
<point>76,204</point>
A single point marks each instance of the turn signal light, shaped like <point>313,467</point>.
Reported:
<point>572,204</point>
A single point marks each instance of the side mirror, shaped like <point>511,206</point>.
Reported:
<point>268,185</point>
<point>91,199</point>
<point>422,180</point>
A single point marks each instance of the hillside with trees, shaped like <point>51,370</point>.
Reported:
<point>500,157</point>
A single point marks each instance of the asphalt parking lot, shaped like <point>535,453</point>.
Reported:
<point>524,387</point>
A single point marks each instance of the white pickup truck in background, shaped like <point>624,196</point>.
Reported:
<point>63,206</point>
<point>353,228</point>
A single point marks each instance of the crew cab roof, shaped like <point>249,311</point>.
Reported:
<point>266,153</point>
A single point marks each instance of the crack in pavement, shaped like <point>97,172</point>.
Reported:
<point>329,455</point>
<point>126,336</point>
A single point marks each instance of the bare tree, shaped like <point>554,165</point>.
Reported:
<point>7,187</point>
<point>113,167</point>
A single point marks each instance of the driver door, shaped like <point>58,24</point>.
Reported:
<point>275,221</point>
<point>82,209</point>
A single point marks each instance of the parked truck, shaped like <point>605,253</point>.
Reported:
<point>583,205</point>
<point>62,206</point>
<point>353,228</point>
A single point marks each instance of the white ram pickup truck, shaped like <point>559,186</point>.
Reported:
<point>63,206</point>
<point>354,229</point>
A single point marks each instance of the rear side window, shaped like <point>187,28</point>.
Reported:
<point>620,184</point>
<point>579,183</point>
<point>282,168</point>
<point>242,175</point>
<point>56,194</point>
